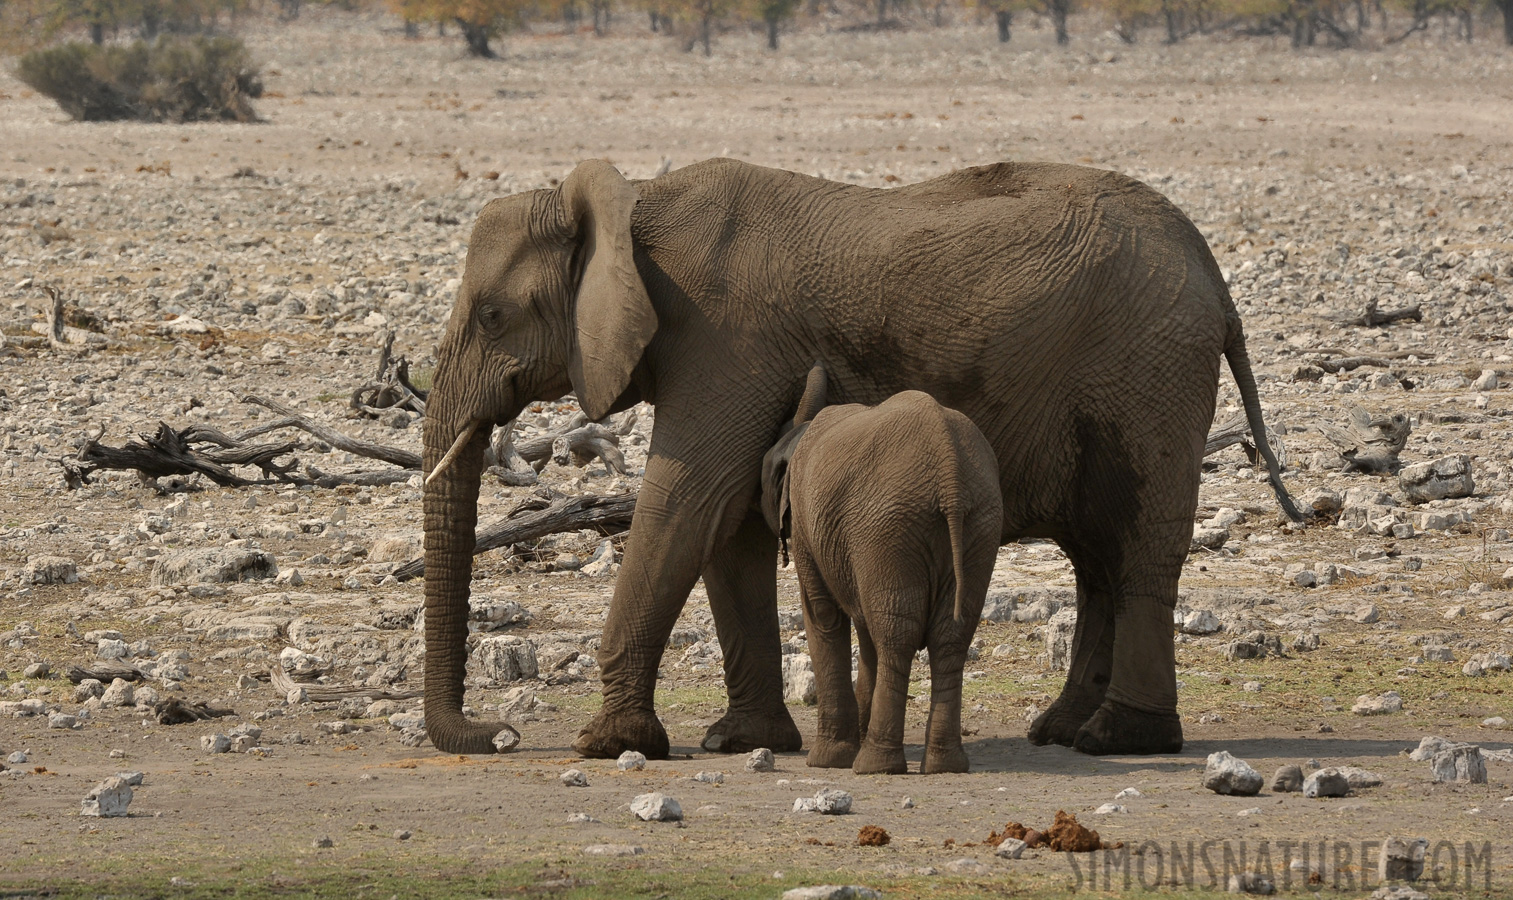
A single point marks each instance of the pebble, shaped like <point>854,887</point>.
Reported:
<point>832,892</point>
<point>710,777</point>
<point>108,799</point>
<point>1109,808</point>
<point>1326,783</point>
<point>215,743</point>
<point>827,802</point>
<point>62,720</point>
<point>760,760</point>
<point>1287,780</point>
<point>655,807</point>
<point>1226,774</point>
<point>613,850</point>
<point>631,761</point>
<point>573,778</point>
<point>1010,848</point>
<point>1380,705</point>
<point>1128,793</point>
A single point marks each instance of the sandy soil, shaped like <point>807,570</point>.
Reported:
<point>1322,180</point>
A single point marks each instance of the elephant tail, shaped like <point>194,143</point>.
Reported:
<point>955,528</point>
<point>1239,366</point>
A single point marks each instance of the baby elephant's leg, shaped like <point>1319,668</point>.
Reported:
<point>948,656</point>
<point>895,638</point>
<point>829,631</point>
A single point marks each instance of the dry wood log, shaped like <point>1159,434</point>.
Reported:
<point>169,452</point>
<point>178,712</point>
<point>1373,317</point>
<point>390,387</point>
<point>402,458</point>
<point>1237,431</point>
<point>1369,443</point>
<point>1350,363</point>
<point>504,461</point>
<point>327,693</point>
<point>105,671</point>
<point>580,442</point>
<point>362,479</point>
<point>608,515</point>
<point>58,332</point>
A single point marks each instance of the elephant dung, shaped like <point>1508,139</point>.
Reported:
<point>1326,783</point>
<point>1446,477</point>
<point>1401,860</point>
<point>656,807</point>
<point>213,566</point>
<point>506,658</point>
<point>1226,774</point>
<point>1460,763</point>
<point>108,799</point>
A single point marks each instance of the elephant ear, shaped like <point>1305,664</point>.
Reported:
<point>614,319</point>
<point>775,506</point>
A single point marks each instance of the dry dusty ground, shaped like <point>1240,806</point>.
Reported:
<point>1322,180</point>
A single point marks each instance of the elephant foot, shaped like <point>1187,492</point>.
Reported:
<point>739,732</point>
<point>941,761</point>
<point>1062,719</point>
<point>829,754</point>
<point>1119,729</point>
<point>875,760</point>
<point>611,734</point>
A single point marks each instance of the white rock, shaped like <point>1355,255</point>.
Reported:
<point>505,658</point>
<point>1460,763</point>
<point>408,721</point>
<point>1011,848</point>
<point>1057,634</point>
<point>760,760</point>
<point>62,720</point>
<point>656,807</point>
<point>1201,621</point>
<point>1380,705</point>
<point>111,649</point>
<point>631,761</point>
<point>601,563</point>
<point>213,566</point>
<point>1481,663</point>
<point>798,679</point>
<point>108,799</point>
<point>120,693</point>
<point>613,850</point>
<point>1428,747</point>
<point>50,570</point>
<point>1401,860</point>
<point>505,740</point>
<point>1108,808</point>
<point>1226,774</point>
<point>1447,477</point>
<point>832,892</point>
<point>1128,793</point>
<point>1326,783</point>
<point>827,801</point>
<point>392,548</point>
<point>573,778</point>
<point>710,777</point>
<point>215,743</point>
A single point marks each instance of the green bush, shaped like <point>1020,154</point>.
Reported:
<point>170,80</point>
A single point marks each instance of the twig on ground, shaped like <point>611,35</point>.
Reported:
<point>402,458</point>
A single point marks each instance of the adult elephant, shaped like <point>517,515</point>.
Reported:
<point>1075,315</point>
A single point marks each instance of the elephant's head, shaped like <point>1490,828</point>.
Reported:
<point>775,462</point>
<point>550,302</point>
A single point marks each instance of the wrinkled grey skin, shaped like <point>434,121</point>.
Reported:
<point>893,515</point>
<point>1074,315</point>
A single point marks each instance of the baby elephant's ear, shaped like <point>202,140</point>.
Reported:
<point>775,481</point>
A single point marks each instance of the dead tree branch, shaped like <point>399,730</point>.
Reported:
<point>606,514</point>
<point>393,455</point>
<point>1237,431</point>
<point>327,693</point>
<point>169,452</point>
<point>390,387</point>
<point>1350,363</point>
<point>1369,443</point>
<point>1371,317</point>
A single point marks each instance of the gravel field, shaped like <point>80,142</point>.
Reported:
<point>202,263</point>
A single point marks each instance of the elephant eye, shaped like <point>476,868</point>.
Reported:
<point>492,318</point>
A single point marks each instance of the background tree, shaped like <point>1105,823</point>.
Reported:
<point>773,13</point>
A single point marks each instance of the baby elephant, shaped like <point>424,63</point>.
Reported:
<point>894,515</point>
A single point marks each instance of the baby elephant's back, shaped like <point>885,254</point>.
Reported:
<point>897,466</point>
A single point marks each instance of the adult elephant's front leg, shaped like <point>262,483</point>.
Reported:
<point>742,590</point>
<point>678,519</point>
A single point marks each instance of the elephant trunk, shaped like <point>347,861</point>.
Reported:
<point>451,519</point>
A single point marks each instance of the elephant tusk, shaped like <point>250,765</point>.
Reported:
<point>462,439</point>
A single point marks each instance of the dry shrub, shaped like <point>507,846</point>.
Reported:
<point>170,80</point>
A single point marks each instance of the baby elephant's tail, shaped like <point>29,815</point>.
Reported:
<point>955,528</point>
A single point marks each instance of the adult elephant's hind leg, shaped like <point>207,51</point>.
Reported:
<point>1139,711</point>
<point>1092,662</point>
<point>742,588</point>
